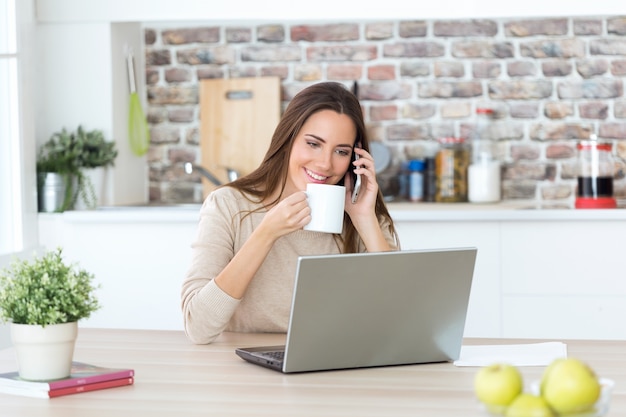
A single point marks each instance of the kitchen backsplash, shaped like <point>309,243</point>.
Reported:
<point>550,81</point>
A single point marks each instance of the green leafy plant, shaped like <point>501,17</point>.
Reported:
<point>46,291</point>
<point>69,153</point>
<point>95,151</point>
<point>59,154</point>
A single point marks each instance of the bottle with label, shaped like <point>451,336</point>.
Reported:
<point>416,180</point>
<point>484,171</point>
<point>451,164</point>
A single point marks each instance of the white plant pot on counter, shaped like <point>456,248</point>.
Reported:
<point>44,352</point>
<point>95,182</point>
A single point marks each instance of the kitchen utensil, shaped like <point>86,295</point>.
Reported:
<point>595,175</point>
<point>237,120</point>
<point>138,132</point>
<point>381,155</point>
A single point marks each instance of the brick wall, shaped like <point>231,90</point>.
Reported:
<point>551,82</point>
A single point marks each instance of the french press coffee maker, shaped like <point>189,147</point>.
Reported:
<point>595,175</point>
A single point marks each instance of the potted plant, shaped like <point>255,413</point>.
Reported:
<point>62,164</point>
<point>94,156</point>
<point>43,299</point>
<point>57,163</point>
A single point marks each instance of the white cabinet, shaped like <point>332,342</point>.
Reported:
<point>555,274</point>
<point>139,264</point>
<point>552,274</point>
<point>483,319</point>
<point>563,279</point>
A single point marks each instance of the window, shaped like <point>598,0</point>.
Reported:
<point>11,236</point>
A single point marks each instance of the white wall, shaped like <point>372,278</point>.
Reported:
<point>81,78</point>
<point>83,81</point>
<point>5,336</point>
<point>5,261</point>
<point>167,10</point>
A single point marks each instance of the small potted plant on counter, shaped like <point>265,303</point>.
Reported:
<point>43,299</point>
<point>68,165</point>
<point>57,163</point>
<point>96,154</point>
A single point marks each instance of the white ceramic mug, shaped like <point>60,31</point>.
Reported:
<point>327,203</point>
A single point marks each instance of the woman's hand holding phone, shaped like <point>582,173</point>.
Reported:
<point>363,213</point>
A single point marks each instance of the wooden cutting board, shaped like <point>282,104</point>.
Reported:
<point>237,120</point>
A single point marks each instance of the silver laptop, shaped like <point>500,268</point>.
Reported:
<point>374,309</point>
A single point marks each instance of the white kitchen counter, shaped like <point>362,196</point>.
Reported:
<point>401,212</point>
<point>540,273</point>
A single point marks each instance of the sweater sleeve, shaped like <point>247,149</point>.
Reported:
<point>206,308</point>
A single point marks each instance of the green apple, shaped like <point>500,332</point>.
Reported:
<point>529,405</point>
<point>498,384</point>
<point>570,386</point>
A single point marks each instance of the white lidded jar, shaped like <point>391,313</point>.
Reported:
<point>483,174</point>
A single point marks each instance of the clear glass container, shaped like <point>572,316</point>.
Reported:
<point>595,174</point>
<point>451,164</point>
<point>484,171</point>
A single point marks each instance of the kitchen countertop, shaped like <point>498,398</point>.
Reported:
<point>401,212</point>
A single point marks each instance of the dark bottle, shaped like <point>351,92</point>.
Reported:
<point>430,179</point>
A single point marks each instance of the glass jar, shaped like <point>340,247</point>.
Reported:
<point>595,174</point>
<point>484,171</point>
<point>451,164</point>
<point>484,179</point>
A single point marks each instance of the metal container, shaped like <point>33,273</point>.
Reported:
<point>51,189</point>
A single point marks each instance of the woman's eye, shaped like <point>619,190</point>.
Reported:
<point>313,144</point>
<point>343,152</point>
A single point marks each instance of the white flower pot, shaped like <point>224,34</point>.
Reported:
<point>44,352</point>
<point>96,178</point>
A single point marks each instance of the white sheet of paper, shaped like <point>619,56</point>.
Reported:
<point>525,354</point>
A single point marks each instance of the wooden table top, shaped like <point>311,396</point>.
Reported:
<point>176,378</point>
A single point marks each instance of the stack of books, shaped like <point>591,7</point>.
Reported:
<point>83,378</point>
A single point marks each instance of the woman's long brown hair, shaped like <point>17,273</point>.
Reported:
<point>271,175</point>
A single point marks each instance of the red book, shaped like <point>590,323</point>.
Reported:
<point>26,392</point>
<point>83,377</point>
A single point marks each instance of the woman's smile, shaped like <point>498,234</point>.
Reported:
<point>316,177</point>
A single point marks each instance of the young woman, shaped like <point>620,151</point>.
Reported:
<point>250,232</point>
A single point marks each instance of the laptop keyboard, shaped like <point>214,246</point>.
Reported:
<point>276,355</point>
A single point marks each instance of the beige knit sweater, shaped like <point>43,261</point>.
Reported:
<point>222,230</point>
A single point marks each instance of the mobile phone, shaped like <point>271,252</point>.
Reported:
<point>356,181</point>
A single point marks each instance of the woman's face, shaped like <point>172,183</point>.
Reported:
<point>322,151</point>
